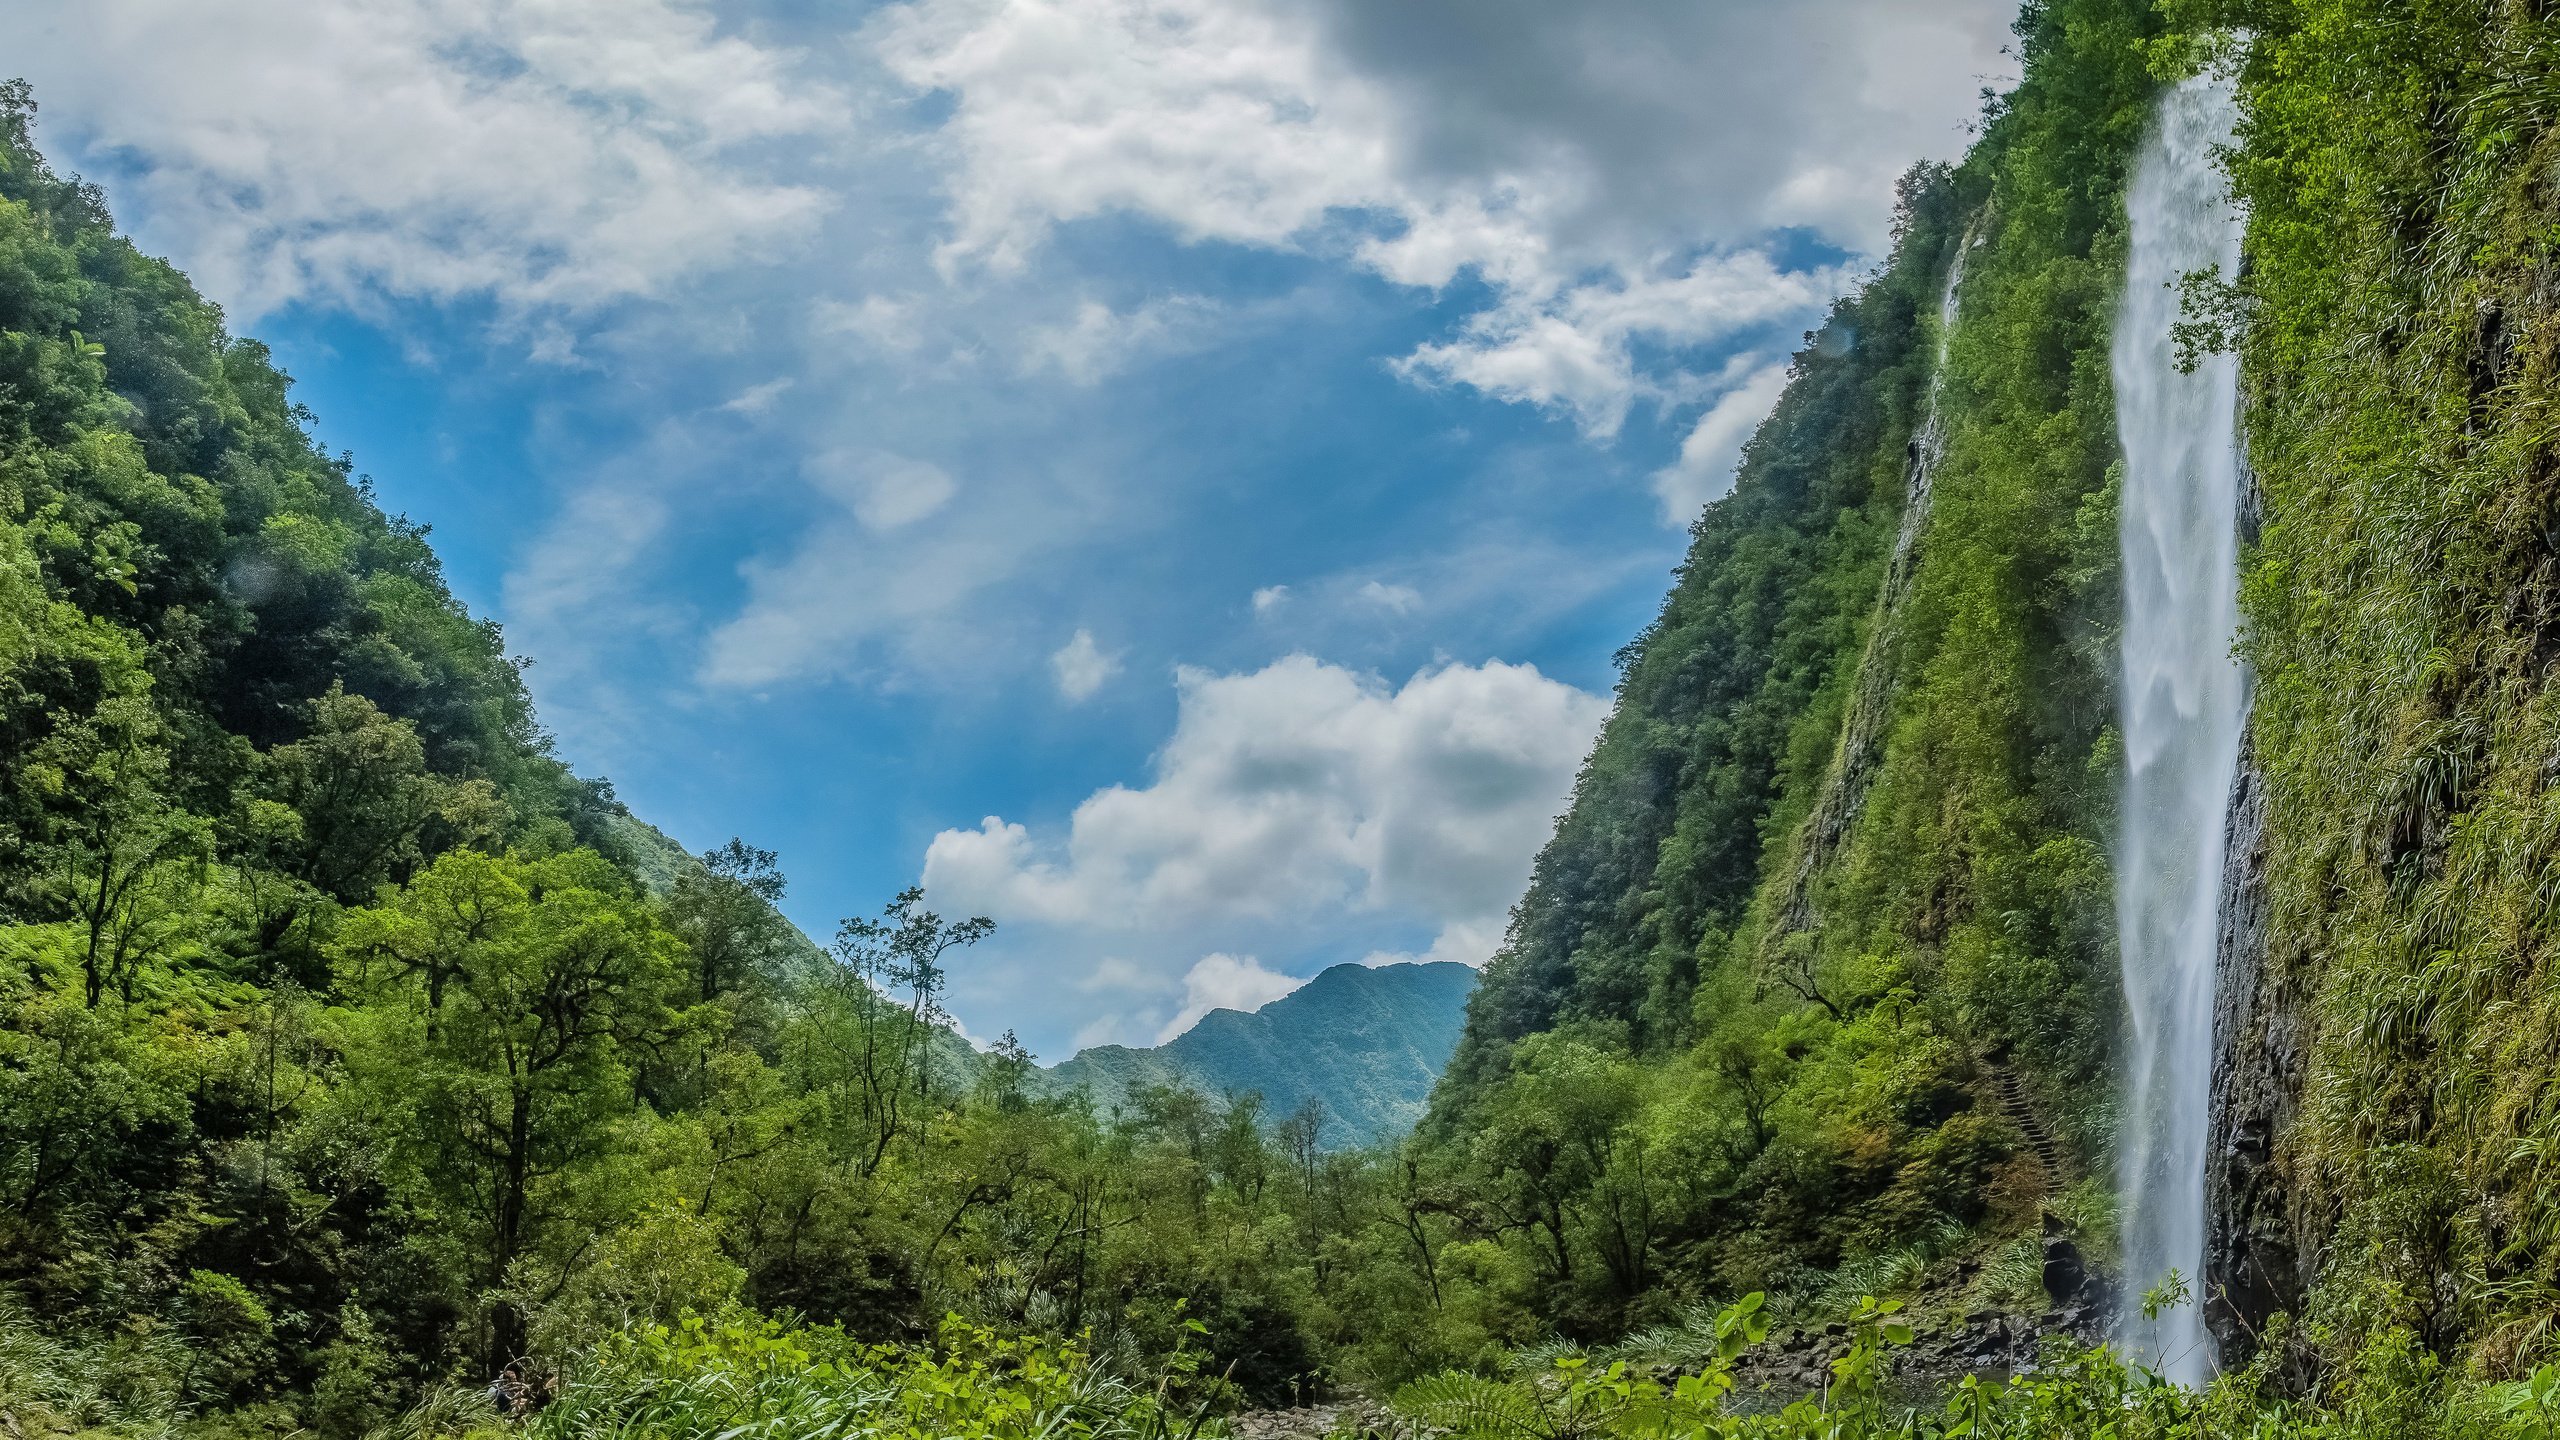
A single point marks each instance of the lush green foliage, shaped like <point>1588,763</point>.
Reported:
<point>347,1029</point>
<point>2396,325</point>
<point>349,1045</point>
<point>2075,1395</point>
<point>733,1377</point>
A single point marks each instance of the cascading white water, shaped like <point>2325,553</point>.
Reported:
<point>1930,445</point>
<point>2183,702</point>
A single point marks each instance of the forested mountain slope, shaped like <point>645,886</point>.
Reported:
<point>349,1044</point>
<point>2387,1093</point>
<point>1360,1044</point>
<point>1811,995</point>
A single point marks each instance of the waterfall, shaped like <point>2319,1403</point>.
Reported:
<point>2184,699</point>
<point>1930,445</point>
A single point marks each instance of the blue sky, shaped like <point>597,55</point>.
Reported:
<point>1168,474</point>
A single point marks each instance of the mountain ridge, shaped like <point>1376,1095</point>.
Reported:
<point>1365,1042</point>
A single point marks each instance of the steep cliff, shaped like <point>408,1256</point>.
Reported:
<point>2388,1112</point>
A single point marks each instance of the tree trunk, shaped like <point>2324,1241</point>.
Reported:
<point>505,1321</point>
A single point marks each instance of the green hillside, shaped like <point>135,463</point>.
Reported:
<point>1362,1045</point>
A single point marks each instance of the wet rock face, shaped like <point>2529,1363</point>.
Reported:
<point>2255,1264</point>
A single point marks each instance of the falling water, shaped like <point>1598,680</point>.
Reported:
<point>1930,445</point>
<point>2184,698</point>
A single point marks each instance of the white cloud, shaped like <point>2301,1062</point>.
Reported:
<point>1270,598</point>
<point>1081,667</point>
<point>1395,599</point>
<point>1194,112</point>
<point>1295,792</point>
<point>866,569</point>
<point>1578,353</point>
<point>1225,982</point>
<point>561,154</point>
<point>1100,341</point>
<point>885,492</point>
<point>758,399</point>
<point>1705,470</point>
<point>1471,944</point>
<point>1113,973</point>
<point>887,323</point>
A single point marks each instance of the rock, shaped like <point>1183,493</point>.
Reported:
<point>1312,1422</point>
<point>2066,1275</point>
<point>2260,1255</point>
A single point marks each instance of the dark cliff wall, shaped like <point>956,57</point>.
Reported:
<point>2255,1262</point>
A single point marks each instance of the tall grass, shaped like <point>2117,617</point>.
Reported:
<point>123,1385</point>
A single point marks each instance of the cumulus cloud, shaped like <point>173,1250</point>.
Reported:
<point>1225,982</point>
<point>1297,790</point>
<point>1708,457</point>
<point>1081,667</point>
<point>1201,114</point>
<point>1270,598</point>
<point>563,154</point>
<point>1578,353</point>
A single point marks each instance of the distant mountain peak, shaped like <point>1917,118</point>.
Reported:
<point>1365,1042</point>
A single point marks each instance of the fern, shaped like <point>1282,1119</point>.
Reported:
<point>1470,1407</point>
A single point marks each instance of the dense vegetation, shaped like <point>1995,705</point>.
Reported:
<point>351,1048</point>
<point>2398,326</point>
<point>1883,1025</point>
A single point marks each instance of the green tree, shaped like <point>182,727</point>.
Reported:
<point>891,1052</point>
<point>359,782</point>
<point>124,860</point>
<point>502,1063</point>
<point>724,909</point>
